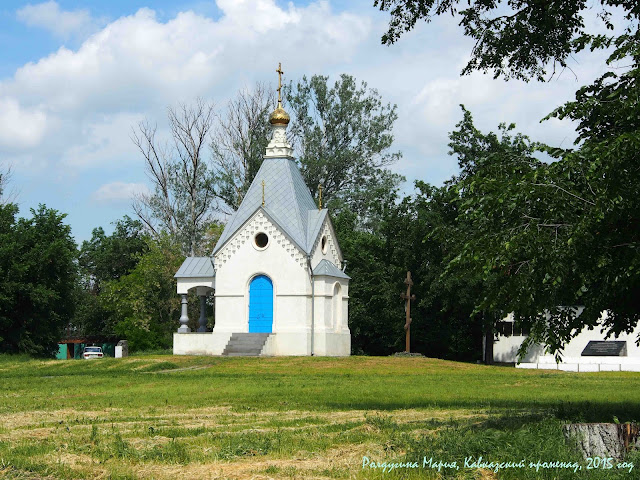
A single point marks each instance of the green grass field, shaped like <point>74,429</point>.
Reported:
<point>172,417</point>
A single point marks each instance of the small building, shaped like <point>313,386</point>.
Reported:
<point>588,351</point>
<point>277,272</point>
<point>72,347</point>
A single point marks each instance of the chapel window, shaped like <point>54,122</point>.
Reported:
<point>261,240</point>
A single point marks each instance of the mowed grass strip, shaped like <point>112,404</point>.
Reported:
<point>203,417</point>
<point>364,383</point>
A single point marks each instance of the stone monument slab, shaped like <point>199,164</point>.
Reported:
<point>605,348</point>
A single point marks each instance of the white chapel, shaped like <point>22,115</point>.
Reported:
<point>276,272</point>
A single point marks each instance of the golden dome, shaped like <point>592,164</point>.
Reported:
<point>279,116</point>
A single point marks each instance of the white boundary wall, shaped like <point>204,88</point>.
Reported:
<point>505,349</point>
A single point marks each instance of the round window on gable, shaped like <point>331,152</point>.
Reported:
<point>261,240</point>
<point>324,244</point>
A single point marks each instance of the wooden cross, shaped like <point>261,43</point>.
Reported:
<point>320,204</point>
<point>280,73</point>
<point>408,298</point>
<point>263,192</point>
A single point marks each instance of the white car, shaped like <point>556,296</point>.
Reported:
<point>92,352</point>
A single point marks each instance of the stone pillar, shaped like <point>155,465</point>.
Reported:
<point>184,319</point>
<point>202,321</point>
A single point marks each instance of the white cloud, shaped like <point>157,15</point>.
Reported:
<point>72,111</point>
<point>138,60</point>
<point>78,101</point>
<point>259,16</point>
<point>118,192</point>
<point>105,142</point>
<point>49,16</point>
<point>20,127</point>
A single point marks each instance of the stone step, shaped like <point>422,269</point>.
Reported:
<point>237,349</point>
<point>245,344</point>
<point>247,341</point>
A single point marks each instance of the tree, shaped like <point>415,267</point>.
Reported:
<point>543,237</point>
<point>506,220</point>
<point>373,303</point>
<point>604,174</point>
<point>5,178</point>
<point>105,258</point>
<point>239,141</point>
<point>101,260</point>
<point>378,263</point>
<point>546,236</point>
<point>183,198</point>
<point>517,40</point>
<point>144,303</point>
<point>37,280</point>
<point>343,134</point>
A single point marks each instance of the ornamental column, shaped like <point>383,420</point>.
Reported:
<point>184,319</point>
<point>202,321</point>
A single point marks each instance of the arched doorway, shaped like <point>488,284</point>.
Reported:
<point>260,305</point>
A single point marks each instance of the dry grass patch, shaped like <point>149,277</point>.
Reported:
<point>347,457</point>
<point>213,442</point>
<point>31,419</point>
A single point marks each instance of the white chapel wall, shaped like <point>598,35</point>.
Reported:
<point>186,284</point>
<point>325,304</point>
<point>281,261</point>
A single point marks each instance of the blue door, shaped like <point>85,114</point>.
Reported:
<point>260,305</point>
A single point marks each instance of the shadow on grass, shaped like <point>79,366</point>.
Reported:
<point>576,412</point>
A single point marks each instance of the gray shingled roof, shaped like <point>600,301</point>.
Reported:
<point>287,201</point>
<point>196,267</point>
<point>325,267</point>
<point>314,224</point>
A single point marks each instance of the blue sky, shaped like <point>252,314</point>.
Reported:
<point>76,76</point>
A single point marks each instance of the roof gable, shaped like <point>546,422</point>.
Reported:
<point>287,202</point>
<point>196,267</point>
<point>315,220</point>
<point>326,268</point>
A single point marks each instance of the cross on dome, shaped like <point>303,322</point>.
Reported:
<point>279,119</point>
<point>279,116</point>
<point>280,73</point>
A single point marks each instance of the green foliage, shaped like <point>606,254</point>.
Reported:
<point>92,316</point>
<point>105,258</point>
<point>144,304</point>
<point>608,107</point>
<point>343,136</point>
<point>373,291</point>
<point>539,236</point>
<point>545,236</point>
<point>37,280</point>
<point>518,40</point>
<point>378,262</point>
<point>603,179</point>
<point>101,260</point>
